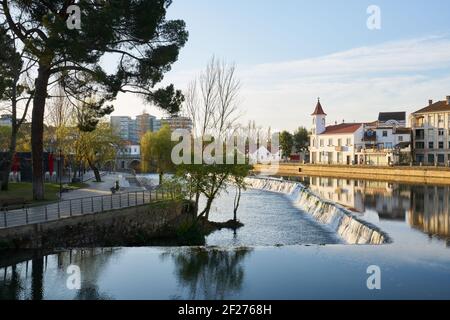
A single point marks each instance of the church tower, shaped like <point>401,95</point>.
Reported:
<point>319,119</point>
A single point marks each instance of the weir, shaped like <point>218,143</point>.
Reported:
<point>346,225</point>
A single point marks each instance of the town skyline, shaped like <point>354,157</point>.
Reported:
<point>398,67</point>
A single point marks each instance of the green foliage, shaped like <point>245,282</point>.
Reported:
<point>10,66</point>
<point>190,232</point>
<point>286,144</point>
<point>5,138</point>
<point>136,32</point>
<point>211,179</point>
<point>156,151</point>
<point>301,139</point>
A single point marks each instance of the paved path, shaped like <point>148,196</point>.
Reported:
<point>97,197</point>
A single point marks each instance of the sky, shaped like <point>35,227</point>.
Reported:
<point>288,53</point>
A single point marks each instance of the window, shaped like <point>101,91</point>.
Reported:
<point>420,134</point>
<point>441,158</point>
<point>321,142</point>
<point>323,121</point>
<point>431,158</point>
<point>385,133</point>
<point>330,142</point>
<point>420,145</point>
<point>431,145</point>
<point>441,119</point>
<point>400,138</point>
<point>441,145</point>
<point>349,142</point>
<point>441,132</point>
<point>431,120</point>
<point>339,142</point>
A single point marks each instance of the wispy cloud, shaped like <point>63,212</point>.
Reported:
<point>354,85</point>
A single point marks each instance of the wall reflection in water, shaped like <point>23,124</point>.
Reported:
<point>208,273</point>
<point>28,272</point>
<point>425,208</point>
<point>430,210</point>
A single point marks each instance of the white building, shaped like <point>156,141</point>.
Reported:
<point>431,132</point>
<point>386,141</point>
<point>133,150</point>
<point>263,155</point>
<point>382,142</point>
<point>333,144</point>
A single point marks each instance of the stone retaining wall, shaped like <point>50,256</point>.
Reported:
<point>123,227</point>
<point>419,175</point>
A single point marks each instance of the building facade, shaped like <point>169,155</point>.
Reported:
<point>386,141</point>
<point>333,144</point>
<point>125,127</point>
<point>145,122</point>
<point>431,133</point>
<point>177,122</point>
<point>383,142</point>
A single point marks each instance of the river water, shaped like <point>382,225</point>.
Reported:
<point>280,253</point>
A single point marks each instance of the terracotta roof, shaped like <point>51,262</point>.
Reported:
<point>319,110</point>
<point>342,128</point>
<point>435,107</point>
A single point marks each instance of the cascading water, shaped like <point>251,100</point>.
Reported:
<point>342,221</point>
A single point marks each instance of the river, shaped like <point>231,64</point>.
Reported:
<point>280,253</point>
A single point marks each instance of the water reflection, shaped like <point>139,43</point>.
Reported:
<point>208,273</point>
<point>425,208</point>
<point>430,210</point>
<point>27,277</point>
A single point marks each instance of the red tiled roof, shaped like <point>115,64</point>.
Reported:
<point>319,110</point>
<point>342,128</point>
<point>439,106</point>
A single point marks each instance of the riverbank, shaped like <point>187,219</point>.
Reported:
<point>132,226</point>
<point>415,175</point>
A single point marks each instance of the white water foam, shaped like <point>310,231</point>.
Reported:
<point>351,229</point>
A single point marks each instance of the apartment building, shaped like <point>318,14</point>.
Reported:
<point>431,133</point>
<point>177,122</point>
<point>386,141</point>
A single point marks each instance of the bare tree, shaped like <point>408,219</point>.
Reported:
<point>211,101</point>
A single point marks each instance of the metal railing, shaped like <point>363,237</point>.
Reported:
<point>13,217</point>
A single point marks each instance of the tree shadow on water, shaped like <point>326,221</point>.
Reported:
<point>208,273</point>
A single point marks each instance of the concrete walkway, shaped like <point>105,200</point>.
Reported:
<point>102,188</point>
<point>97,197</point>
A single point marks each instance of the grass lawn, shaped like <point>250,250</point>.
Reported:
<point>20,193</point>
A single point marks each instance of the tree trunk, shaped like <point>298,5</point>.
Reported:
<point>208,208</point>
<point>98,177</point>
<point>37,131</point>
<point>161,178</point>
<point>237,201</point>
